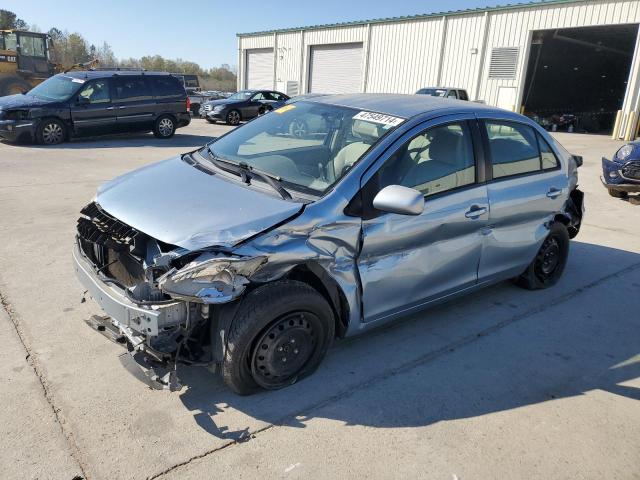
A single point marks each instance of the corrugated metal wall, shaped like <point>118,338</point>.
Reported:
<point>452,50</point>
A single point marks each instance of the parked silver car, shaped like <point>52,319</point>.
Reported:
<point>257,250</point>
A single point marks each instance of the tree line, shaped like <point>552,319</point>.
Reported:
<point>70,48</point>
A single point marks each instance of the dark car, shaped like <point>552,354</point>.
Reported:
<point>244,105</point>
<point>86,103</point>
<point>621,174</point>
<point>445,92</point>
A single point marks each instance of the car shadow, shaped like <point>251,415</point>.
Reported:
<point>124,140</point>
<point>561,342</point>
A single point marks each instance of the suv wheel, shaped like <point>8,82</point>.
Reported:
<point>233,117</point>
<point>546,269</point>
<point>165,127</point>
<point>51,131</point>
<point>279,335</point>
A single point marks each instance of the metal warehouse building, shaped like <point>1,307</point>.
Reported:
<point>567,63</point>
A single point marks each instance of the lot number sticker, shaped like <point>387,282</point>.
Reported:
<point>379,118</point>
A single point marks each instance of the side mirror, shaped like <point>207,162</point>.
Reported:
<point>399,199</point>
<point>83,101</point>
<point>578,160</point>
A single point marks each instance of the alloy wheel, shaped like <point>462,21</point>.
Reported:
<point>52,133</point>
<point>165,127</point>
<point>234,118</point>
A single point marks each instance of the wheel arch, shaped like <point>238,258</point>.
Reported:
<point>317,278</point>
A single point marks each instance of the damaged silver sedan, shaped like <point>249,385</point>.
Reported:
<point>254,252</point>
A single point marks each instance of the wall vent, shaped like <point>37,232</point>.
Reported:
<point>293,88</point>
<point>504,62</point>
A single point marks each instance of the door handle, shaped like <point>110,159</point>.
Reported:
<point>553,192</point>
<point>475,211</point>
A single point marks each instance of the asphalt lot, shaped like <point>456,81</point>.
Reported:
<point>505,383</point>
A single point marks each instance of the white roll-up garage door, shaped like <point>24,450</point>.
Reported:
<point>260,68</point>
<point>336,68</point>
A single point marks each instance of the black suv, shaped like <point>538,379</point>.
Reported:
<point>92,102</point>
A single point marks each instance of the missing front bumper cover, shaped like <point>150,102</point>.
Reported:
<point>147,366</point>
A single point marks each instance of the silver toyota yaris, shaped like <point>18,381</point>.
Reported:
<point>255,251</point>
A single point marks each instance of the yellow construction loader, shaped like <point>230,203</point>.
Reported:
<point>25,61</point>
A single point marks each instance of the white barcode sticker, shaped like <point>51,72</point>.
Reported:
<point>381,118</point>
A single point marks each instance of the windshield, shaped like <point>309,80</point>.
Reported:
<point>241,95</point>
<point>59,87</point>
<point>434,92</point>
<point>310,146</point>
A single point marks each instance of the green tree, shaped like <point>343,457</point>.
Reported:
<point>9,21</point>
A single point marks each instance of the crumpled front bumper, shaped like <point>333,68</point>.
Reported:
<point>145,320</point>
<point>13,130</point>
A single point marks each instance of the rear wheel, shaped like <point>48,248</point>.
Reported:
<point>51,131</point>
<point>617,193</point>
<point>233,117</point>
<point>551,259</point>
<point>279,335</point>
<point>165,127</point>
<point>264,109</point>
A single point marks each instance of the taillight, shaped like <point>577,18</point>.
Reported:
<point>188,104</point>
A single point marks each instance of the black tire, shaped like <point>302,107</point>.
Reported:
<point>13,86</point>
<point>209,120</point>
<point>617,193</point>
<point>264,109</point>
<point>273,316</point>
<point>51,131</point>
<point>233,117</point>
<point>195,109</point>
<point>165,127</point>
<point>546,268</point>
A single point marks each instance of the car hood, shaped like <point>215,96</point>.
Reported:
<point>178,204</point>
<point>21,101</point>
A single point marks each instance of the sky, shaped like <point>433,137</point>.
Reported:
<point>205,31</point>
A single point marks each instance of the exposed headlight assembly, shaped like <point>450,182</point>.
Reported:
<point>211,278</point>
<point>624,152</point>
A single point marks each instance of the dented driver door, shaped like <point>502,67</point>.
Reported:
<point>408,261</point>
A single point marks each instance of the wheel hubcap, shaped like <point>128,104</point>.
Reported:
<point>284,350</point>
<point>234,117</point>
<point>52,133</point>
<point>165,127</point>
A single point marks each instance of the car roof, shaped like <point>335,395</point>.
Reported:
<point>88,74</point>
<point>405,106</point>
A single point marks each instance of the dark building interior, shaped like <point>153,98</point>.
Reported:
<point>577,77</point>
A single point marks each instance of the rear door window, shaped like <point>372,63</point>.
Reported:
<point>132,88</point>
<point>166,86</point>
<point>513,148</point>
<point>547,156</point>
<point>463,95</point>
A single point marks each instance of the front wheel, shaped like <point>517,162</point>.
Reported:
<point>279,335</point>
<point>233,117</point>
<point>546,269</point>
<point>617,193</point>
<point>165,127</point>
<point>51,131</point>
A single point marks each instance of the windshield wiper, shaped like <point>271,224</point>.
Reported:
<point>247,172</point>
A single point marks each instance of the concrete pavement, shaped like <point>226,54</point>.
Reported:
<point>505,382</point>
